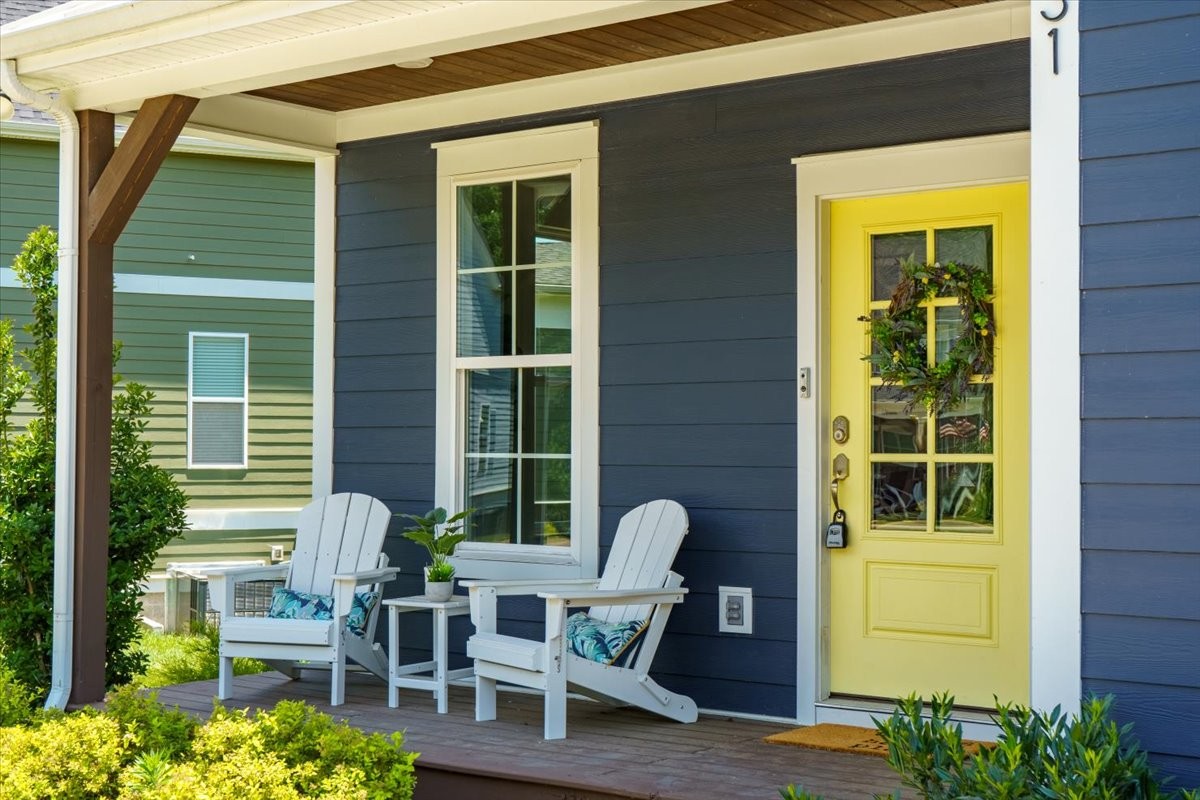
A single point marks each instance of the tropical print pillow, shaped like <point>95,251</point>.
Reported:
<point>604,642</point>
<point>360,612</point>
<point>291,604</point>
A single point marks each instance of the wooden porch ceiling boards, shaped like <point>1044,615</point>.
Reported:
<point>703,28</point>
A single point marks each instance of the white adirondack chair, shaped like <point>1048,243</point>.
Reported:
<point>637,584</point>
<point>338,543</point>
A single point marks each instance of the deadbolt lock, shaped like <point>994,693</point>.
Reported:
<point>841,430</point>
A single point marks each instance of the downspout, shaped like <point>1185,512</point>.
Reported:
<point>64,441</point>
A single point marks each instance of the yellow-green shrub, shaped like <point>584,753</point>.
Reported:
<point>138,750</point>
<point>74,756</point>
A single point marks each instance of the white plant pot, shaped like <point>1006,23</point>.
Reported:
<point>439,591</point>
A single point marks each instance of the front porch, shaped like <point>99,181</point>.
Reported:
<point>608,753</point>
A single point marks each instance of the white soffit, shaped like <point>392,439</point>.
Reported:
<point>112,55</point>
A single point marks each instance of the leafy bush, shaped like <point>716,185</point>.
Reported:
<point>16,699</point>
<point>182,658</point>
<point>137,749</point>
<point>1035,756</point>
<point>146,509</point>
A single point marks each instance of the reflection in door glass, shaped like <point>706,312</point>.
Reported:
<point>967,428</point>
<point>969,246</point>
<point>887,251</point>
<point>965,498</point>
<point>894,429</point>
<point>898,496</point>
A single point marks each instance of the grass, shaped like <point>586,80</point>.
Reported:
<point>183,658</point>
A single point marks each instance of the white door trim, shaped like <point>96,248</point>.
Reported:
<point>932,165</point>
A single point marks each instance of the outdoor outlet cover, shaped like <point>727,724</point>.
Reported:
<point>735,610</point>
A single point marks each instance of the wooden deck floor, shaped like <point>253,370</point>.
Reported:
<point>609,753</point>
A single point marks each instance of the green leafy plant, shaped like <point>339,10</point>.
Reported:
<point>173,658</point>
<point>146,507</point>
<point>138,749</point>
<point>898,337</point>
<point>439,535</point>
<point>1036,755</point>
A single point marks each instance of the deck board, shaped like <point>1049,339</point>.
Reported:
<point>608,753</point>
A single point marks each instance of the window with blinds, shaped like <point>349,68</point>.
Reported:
<point>217,394</point>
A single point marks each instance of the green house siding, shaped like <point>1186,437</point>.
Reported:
<point>207,217</point>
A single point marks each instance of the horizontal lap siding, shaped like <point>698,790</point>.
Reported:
<point>1140,341</point>
<point>240,219</point>
<point>697,325</point>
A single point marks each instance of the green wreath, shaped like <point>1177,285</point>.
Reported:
<point>898,349</point>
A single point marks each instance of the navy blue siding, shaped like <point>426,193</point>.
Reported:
<point>697,325</point>
<point>1140,338</point>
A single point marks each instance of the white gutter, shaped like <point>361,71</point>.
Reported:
<point>64,442</point>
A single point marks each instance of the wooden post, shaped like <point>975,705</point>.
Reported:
<point>111,184</point>
<point>94,420</point>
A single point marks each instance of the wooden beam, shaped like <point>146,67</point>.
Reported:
<point>94,422</point>
<point>128,175</point>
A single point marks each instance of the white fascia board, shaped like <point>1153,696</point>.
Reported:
<point>470,25</point>
<point>858,44</point>
<point>89,19</point>
<point>161,29</point>
<point>257,121</point>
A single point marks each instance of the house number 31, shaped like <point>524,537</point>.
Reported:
<point>1053,32</point>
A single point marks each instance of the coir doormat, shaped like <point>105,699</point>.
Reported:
<point>842,739</point>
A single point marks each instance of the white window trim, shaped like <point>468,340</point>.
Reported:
<point>1054,272</point>
<point>574,149</point>
<point>245,399</point>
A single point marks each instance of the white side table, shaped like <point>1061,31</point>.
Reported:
<point>406,675</point>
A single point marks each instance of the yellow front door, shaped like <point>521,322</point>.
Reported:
<point>932,591</point>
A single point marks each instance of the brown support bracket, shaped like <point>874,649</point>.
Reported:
<point>134,164</point>
<point>110,186</point>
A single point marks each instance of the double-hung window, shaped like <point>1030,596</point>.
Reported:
<point>517,349</point>
<point>218,388</point>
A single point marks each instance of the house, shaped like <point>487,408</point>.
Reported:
<point>218,256</point>
<point>736,183</point>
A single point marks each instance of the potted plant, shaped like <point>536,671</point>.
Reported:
<point>439,535</point>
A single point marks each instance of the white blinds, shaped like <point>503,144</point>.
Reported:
<point>217,401</point>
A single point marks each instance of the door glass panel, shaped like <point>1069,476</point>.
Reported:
<point>485,226</point>
<point>898,496</point>
<point>485,314</point>
<point>887,251</point>
<point>918,315</point>
<point>965,497</point>
<point>893,428</point>
<point>968,246</point>
<point>967,428</point>
<point>948,322</point>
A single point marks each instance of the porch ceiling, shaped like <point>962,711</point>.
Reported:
<point>705,27</point>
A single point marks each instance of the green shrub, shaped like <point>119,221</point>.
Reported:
<point>16,698</point>
<point>73,756</point>
<point>183,658</point>
<point>1036,755</point>
<point>138,750</point>
<point>146,509</point>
